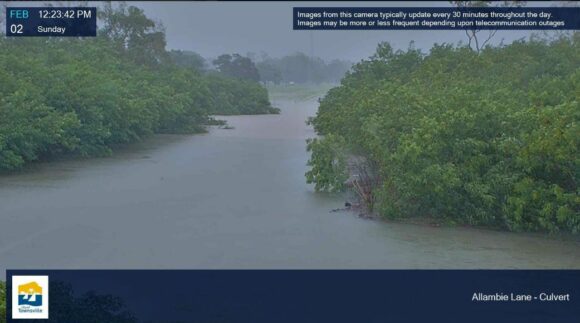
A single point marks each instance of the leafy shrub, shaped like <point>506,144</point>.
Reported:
<point>488,139</point>
<point>82,96</point>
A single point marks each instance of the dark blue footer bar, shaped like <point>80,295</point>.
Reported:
<point>297,296</point>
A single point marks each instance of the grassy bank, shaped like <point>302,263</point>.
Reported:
<point>298,92</point>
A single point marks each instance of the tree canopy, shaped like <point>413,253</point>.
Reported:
<point>489,138</point>
<point>82,96</point>
<point>237,66</point>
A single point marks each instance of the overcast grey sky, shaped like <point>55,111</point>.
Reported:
<point>213,28</point>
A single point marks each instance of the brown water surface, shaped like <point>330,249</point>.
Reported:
<point>227,199</point>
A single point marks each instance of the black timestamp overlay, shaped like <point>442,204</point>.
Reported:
<point>52,21</point>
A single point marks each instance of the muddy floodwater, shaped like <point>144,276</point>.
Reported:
<point>227,199</point>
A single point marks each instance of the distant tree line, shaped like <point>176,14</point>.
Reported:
<point>486,137</point>
<point>81,96</point>
<point>300,68</point>
<point>295,68</point>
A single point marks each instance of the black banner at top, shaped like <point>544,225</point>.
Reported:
<point>444,18</point>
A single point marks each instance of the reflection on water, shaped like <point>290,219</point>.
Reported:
<point>227,199</point>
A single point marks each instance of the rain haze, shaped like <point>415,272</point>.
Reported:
<point>210,135</point>
<point>215,28</point>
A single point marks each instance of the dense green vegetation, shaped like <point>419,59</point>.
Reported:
<point>83,96</point>
<point>489,138</point>
<point>237,66</point>
<point>188,59</point>
<point>231,96</point>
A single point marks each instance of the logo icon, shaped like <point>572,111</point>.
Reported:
<point>30,294</point>
<point>30,297</point>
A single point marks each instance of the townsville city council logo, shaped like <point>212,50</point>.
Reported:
<point>30,297</point>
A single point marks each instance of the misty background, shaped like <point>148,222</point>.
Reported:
<point>259,27</point>
<point>214,28</point>
<point>197,33</point>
